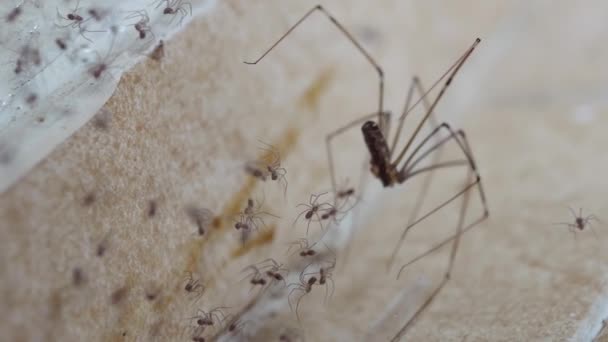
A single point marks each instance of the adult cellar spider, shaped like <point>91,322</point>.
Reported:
<point>392,166</point>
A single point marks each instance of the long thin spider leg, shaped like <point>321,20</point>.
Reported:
<point>401,120</point>
<point>188,275</point>
<point>572,211</point>
<point>339,132</point>
<point>415,84</point>
<point>312,199</point>
<point>160,2</point>
<point>482,194</point>
<point>418,206</point>
<point>271,150</point>
<point>298,217</point>
<point>441,165</point>
<point>308,225</point>
<point>592,230</point>
<point>298,287</point>
<point>447,274</point>
<point>440,245</point>
<point>220,311</point>
<point>454,70</point>
<point>431,212</point>
<point>198,296</point>
<point>465,148</point>
<point>433,148</point>
<point>317,196</point>
<point>426,139</point>
<point>271,260</point>
<point>189,7</point>
<point>285,186</point>
<point>302,244</point>
<point>352,39</point>
<point>329,281</point>
<point>256,272</point>
<point>267,214</point>
<point>298,305</point>
<point>319,220</point>
<point>259,220</point>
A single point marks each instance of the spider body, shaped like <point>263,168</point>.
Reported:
<point>193,287</point>
<point>380,154</point>
<point>580,222</point>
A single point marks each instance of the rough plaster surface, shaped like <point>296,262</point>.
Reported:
<point>530,100</point>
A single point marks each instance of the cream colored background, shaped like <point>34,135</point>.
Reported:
<point>531,100</point>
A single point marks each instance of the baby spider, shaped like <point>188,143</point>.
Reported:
<point>205,319</point>
<point>273,166</point>
<point>251,216</point>
<point>61,44</point>
<point>103,245</point>
<point>346,193</point>
<point>274,270</point>
<point>332,211</point>
<point>343,196</point>
<point>325,278</point>
<point>255,170</point>
<point>175,7</point>
<point>200,217</point>
<point>142,26</point>
<point>193,286</point>
<point>313,209</point>
<point>103,64</point>
<point>75,18</point>
<point>305,249</point>
<point>76,21</point>
<point>580,221</point>
<point>97,13</point>
<point>256,276</point>
<point>237,326</point>
<point>12,15</point>
<point>304,286</point>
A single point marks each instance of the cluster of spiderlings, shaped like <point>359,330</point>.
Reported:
<point>72,46</point>
<point>382,167</point>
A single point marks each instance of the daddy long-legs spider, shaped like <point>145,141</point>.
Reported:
<point>396,166</point>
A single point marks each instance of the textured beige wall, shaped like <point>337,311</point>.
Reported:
<point>531,100</point>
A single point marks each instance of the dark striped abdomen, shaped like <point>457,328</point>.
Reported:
<point>378,149</point>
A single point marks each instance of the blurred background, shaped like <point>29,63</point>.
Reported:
<point>531,100</point>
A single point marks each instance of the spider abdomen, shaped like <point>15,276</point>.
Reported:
<point>379,151</point>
